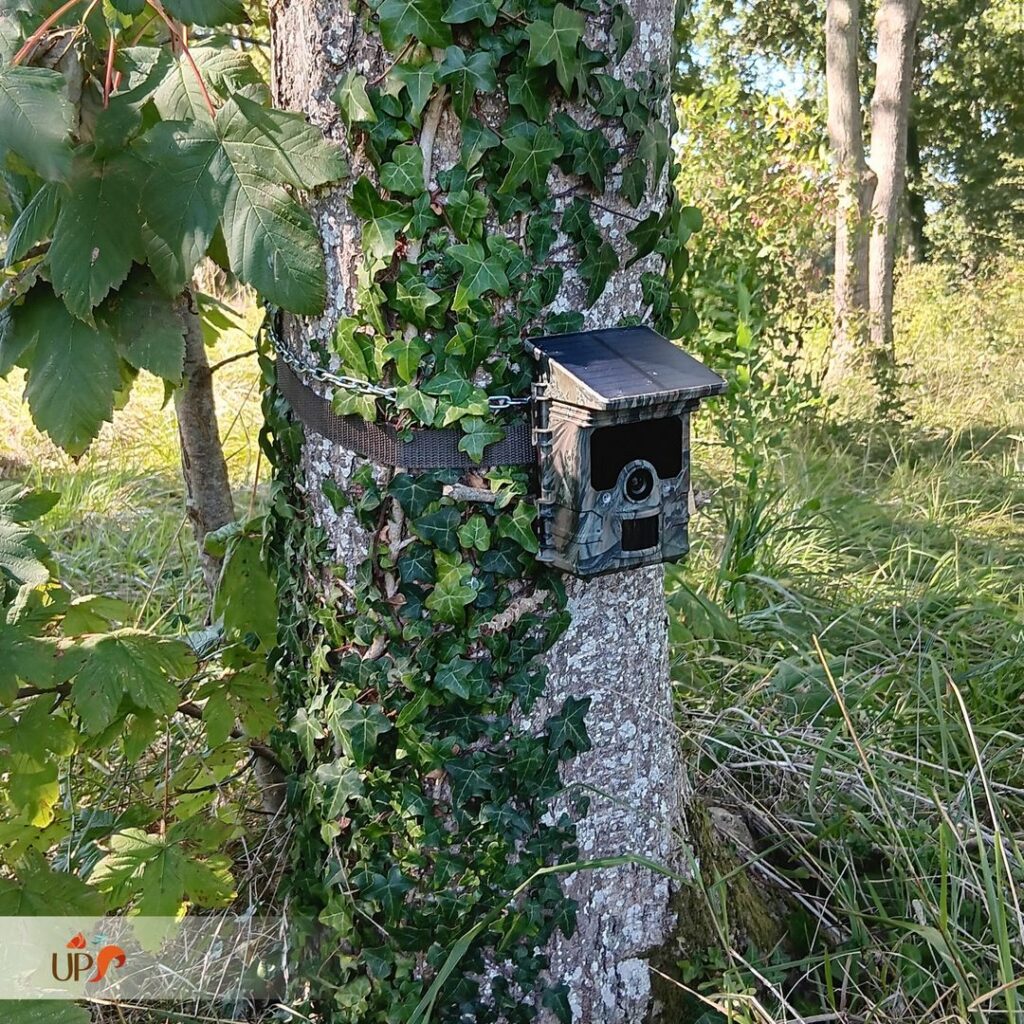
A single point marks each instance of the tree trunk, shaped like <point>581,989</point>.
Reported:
<point>207,486</point>
<point>890,112</point>
<point>616,648</point>
<point>855,186</point>
<point>916,214</point>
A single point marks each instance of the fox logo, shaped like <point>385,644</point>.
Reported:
<point>81,962</point>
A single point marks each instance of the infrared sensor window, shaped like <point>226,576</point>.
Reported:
<point>659,442</point>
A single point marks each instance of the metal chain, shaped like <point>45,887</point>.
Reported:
<point>307,372</point>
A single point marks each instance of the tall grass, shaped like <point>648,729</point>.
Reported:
<point>848,657</point>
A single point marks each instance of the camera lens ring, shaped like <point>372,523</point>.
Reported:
<point>639,484</point>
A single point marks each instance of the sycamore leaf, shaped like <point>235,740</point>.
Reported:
<point>533,153</point>
<point>34,223</point>
<point>24,504</point>
<point>357,726</point>
<point>246,595</point>
<point>39,891</point>
<point>400,19</point>
<point>97,235</point>
<point>21,554</point>
<point>45,1011</point>
<point>73,370</point>
<point>144,324</point>
<point>178,96</point>
<point>36,118</point>
<point>404,173</point>
<point>556,42</point>
<point>117,874</point>
<point>132,663</point>
<point>207,12</point>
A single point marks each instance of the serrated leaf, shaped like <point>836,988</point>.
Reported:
<point>45,1011</point>
<point>207,12</point>
<point>556,42</point>
<point>404,173</point>
<point>96,237</point>
<point>22,504</point>
<point>128,663</point>
<point>34,223</point>
<point>20,557</point>
<point>144,324</point>
<point>533,153</point>
<point>246,597</point>
<point>39,891</point>
<point>357,726</point>
<point>36,119</point>
<point>352,100</point>
<point>177,94</point>
<point>400,19</point>
<point>73,370</point>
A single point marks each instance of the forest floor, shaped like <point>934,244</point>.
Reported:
<point>847,651</point>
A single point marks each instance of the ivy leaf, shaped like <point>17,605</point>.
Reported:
<point>529,89</point>
<point>132,663</point>
<point>36,118</point>
<point>467,76</point>
<point>517,525</point>
<point>533,153</point>
<point>592,156</point>
<point>406,354</point>
<point>145,326</point>
<point>480,274</point>
<point>653,147</point>
<point>341,783</point>
<point>469,779</point>
<point>452,592</point>
<point>97,235</point>
<point>415,492</point>
<point>556,42</point>
<point>307,731</point>
<point>597,266</point>
<point>623,30</point>
<point>207,12</point>
<point>556,999</point>
<point>418,80</point>
<point>382,219</point>
<point>388,892</point>
<point>34,223</point>
<point>422,406</point>
<point>439,528</point>
<point>404,173</point>
<point>477,138</point>
<point>475,533</point>
<point>465,209</point>
<point>567,731</point>
<point>461,12</point>
<point>479,433</point>
<point>416,566</point>
<point>646,235</point>
<point>413,300</point>
<point>352,100</point>
<point>357,727</point>
<point>73,370</point>
<point>400,19</point>
<point>634,182</point>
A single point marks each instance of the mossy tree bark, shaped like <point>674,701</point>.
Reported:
<point>615,650</point>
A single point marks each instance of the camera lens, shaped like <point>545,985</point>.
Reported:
<point>639,484</point>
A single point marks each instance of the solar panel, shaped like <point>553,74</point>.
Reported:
<point>622,364</point>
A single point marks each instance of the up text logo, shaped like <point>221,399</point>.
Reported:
<point>80,962</point>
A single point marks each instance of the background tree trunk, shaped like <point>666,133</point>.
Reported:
<point>890,113</point>
<point>855,186</point>
<point>616,648</point>
<point>207,485</point>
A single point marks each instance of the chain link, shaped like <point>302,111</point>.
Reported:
<point>306,372</point>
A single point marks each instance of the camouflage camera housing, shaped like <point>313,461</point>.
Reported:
<point>612,429</point>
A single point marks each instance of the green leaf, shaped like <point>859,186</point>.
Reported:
<point>341,783</point>
<point>34,223</point>
<point>404,173</point>
<point>400,19</point>
<point>418,80</point>
<point>45,1011</point>
<point>415,492</point>
<point>533,153</point>
<point>567,731</point>
<point>556,42</point>
<point>129,7</point>
<point>464,210</point>
<point>480,273</point>
<point>467,76</point>
<point>479,433</point>
<point>517,525</point>
<point>461,12</point>
<point>246,596</point>
<point>22,504</point>
<point>357,727</point>
<point>97,235</point>
<point>413,300</point>
<point>422,406</point>
<point>39,891</point>
<point>73,371</point>
<point>634,182</point>
<point>177,94</point>
<point>623,30</point>
<point>207,12</point>
<point>469,779</point>
<point>388,892</point>
<point>452,591</point>
<point>23,658</point>
<point>439,528</point>
<point>530,90</point>
<point>36,119</point>
<point>653,147</point>
<point>475,533</point>
<point>132,663</point>
<point>598,265</point>
<point>646,235</point>
<point>145,326</point>
<point>406,353</point>
<point>307,731</point>
<point>20,559</point>
<point>119,872</point>
<point>382,219</point>
<point>352,101</point>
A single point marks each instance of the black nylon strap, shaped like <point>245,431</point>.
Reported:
<point>426,449</point>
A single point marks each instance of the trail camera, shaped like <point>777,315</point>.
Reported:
<point>612,429</point>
